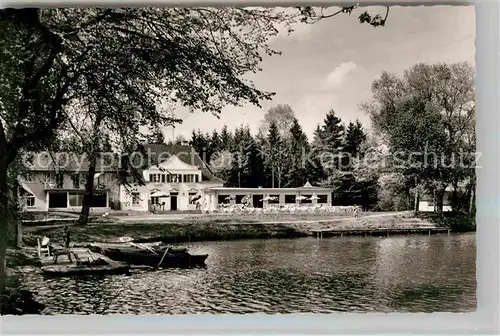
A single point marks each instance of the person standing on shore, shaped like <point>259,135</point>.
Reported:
<point>66,237</point>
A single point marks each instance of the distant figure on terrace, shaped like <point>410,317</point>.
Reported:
<point>355,213</point>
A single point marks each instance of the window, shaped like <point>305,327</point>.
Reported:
<point>176,178</point>
<point>290,199</point>
<point>196,178</point>
<point>275,200</point>
<point>221,199</point>
<point>83,179</point>
<point>135,198</point>
<point>76,180</point>
<point>29,177</point>
<point>239,199</point>
<point>75,199</point>
<point>49,177</point>
<point>189,178</point>
<point>157,178</point>
<point>30,201</point>
<point>322,199</point>
<point>306,200</point>
<point>60,180</point>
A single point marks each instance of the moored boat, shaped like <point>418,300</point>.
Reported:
<point>75,270</point>
<point>155,256</point>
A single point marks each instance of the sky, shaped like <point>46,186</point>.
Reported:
<point>332,64</point>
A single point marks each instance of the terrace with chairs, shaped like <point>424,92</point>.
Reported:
<point>308,198</point>
<point>340,211</point>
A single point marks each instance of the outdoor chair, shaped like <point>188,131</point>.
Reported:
<point>43,251</point>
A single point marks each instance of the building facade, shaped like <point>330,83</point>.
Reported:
<point>56,182</point>
<point>172,178</point>
<point>265,197</point>
<point>176,183</point>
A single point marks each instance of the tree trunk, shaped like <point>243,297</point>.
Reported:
<point>440,199</point>
<point>89,193</point>
<point>417,200</point>
<point>472,196</point>
<point>454,196</point>
<point>272,178</point>
<point>4,223</point>
<point>89,186</point>
<point>17,221</point>
<point>417,197</point>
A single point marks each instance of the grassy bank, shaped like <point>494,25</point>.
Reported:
<point>456,221</point>
<point>272,217</point>
<point>174,232</point>
<point>203,229</point>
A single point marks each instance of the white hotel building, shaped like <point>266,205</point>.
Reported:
<point>176,179</point>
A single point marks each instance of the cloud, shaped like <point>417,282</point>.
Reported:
<point>338,75</point>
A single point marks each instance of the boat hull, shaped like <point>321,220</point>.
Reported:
<point>135,256</point>
<point>184,260</point>
<point>73,270</point>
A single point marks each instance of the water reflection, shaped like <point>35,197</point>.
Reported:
<point>356,274</point>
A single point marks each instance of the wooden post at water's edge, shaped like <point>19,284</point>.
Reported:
<point>19,235</point>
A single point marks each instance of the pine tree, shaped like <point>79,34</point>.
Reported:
<point>199,143</point>
<point>273,153</point>
<point>234,174</point>
<point>299,170</point>
<point>355,136</point>
<point>332,132</point>
<point>253,172</point>
<point>226,138</point>
<point>329,141</point>
<point>213,144</point>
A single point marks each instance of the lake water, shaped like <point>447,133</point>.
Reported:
<point>349,274</point>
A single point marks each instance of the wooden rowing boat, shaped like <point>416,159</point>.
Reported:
<point>156,256</point>
<point>75,270</point>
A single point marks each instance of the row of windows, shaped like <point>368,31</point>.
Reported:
<point>174,178</point>
<point>78,179</point>
<point>136,198</point>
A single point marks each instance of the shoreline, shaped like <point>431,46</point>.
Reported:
<point>214,228</point>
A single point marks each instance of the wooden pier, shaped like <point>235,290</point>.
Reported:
<point>332,232</point>
<point>77,253</point>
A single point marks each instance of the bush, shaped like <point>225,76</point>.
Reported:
<point>456,221</point>
<point>19,302</point>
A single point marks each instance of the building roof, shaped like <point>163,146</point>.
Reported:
<point>151,155</point>
<point>307,187</point>
<point>71,162</point>
<point>186,153</point>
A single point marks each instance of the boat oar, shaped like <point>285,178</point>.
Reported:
<point>143,247</point>
<point>164,254</point>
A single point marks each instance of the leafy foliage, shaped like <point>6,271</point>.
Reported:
<point>427,117</point>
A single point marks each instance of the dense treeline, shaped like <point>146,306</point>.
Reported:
<point>281,155</point>
<point>422,144</point>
